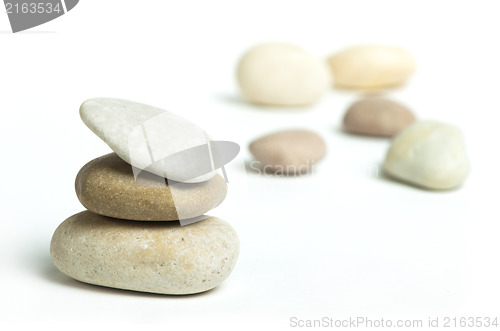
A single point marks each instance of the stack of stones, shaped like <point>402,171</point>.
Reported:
<point>145,228</point>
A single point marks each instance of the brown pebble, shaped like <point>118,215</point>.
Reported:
<point>290,152</point>
<point>107,186</point>
<point>376,116</point>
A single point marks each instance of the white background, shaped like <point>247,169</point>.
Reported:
<point>340,243</point>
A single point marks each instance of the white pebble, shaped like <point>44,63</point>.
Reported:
<point>279,74</point>
<point>429,154</point>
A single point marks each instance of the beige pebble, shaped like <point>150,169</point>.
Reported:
<point>279,74</point>
<point>107,186</point>
<point>428,154</point>
<point>376,116</point>
<point>371,67</point>
<point>290,152</point>
<point>156,257</point>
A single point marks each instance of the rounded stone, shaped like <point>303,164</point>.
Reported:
<point>279,74</point>
<point>376,116</point>
<point>428,154</point>
<point>156,257</point>
<point>290,152</point>
<point>371,67</point>
<point>109,187</point>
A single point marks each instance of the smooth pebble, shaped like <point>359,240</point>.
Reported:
<point>377,116</point>
<point>371,67</point>
<point>290,152</point>
<point>146,136</point>
<point>429,154</point>
<point>156,257</point>
<point>279,74</point>
<point>107,186</point>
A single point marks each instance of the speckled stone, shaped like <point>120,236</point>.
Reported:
<point>107,186</point>
<point>377,116</point>
<point>280,74</point>
<point>290,152</point>
<point>428,154</point>
<point>156,257</point>
<point>371,67</point>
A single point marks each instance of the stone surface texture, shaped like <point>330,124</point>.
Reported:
<point>156,257</point>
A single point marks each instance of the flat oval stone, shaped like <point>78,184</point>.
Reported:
<point>376,116</point>
<point>156,257</point>
<point>290,152</point>
<point>428,154</point>
<point>150,138</point>
<point>371,67</point>
<point>108,186</point>
<point>280,74</point>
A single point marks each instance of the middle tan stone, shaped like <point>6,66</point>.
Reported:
<point>107,186</point>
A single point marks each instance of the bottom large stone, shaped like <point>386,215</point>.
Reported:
<point>156,257</point>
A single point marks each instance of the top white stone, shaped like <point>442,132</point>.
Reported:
<point>144,136</point>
